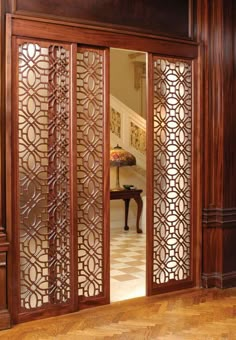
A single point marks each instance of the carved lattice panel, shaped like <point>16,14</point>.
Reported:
<point>137,138</point>
<point>90,118</point>
<point>115,125</point>
<point>43,174</point>
<point>172,123</point>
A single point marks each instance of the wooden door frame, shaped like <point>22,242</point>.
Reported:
<point>38,28</point>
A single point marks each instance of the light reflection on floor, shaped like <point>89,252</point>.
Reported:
<point>128,261</point>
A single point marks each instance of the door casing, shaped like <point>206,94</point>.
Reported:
<point>57,31</point>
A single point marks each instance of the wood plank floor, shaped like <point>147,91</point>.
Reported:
<point>196,314</point>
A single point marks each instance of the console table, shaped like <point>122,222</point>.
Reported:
<point>127,195</point>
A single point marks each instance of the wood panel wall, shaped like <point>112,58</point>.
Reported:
<point>217,33</point>
<point>4,314</point>
<point>169,17</point>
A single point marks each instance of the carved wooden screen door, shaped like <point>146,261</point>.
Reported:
<point>169,222</point>
<point>59,176</point>
<point>60,172</point>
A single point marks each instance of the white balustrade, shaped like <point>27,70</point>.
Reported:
<point>128,129</point>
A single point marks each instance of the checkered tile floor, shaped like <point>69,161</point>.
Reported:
<point>128,261</point>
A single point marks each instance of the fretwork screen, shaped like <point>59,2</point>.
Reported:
<point>43,174</point>
<point>59,130</point>
<point>90,155</point>
<point>172,143</point>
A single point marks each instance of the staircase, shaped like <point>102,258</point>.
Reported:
<point>128,129</point>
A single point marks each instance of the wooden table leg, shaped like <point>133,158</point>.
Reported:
<point>126,227</point>
<point>139,202</point>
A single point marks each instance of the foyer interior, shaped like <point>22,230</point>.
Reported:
<point>128,106</point>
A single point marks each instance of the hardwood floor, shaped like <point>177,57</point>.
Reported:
<point>195,314</point>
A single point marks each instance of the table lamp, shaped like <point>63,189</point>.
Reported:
<point>120,157</point>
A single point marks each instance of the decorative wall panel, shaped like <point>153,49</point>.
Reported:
<point>90,117</point>
<point>137,138</point>
<point>43,174</point>
<point>172,123</point>
<point>115,125</point>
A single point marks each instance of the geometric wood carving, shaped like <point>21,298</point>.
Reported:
<point>43,174</point>
<point>172,143</point>
<point>90,117</point>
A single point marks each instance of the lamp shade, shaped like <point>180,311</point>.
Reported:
<point>120,157</point>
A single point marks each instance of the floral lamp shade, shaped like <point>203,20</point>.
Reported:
<point>120,157</point>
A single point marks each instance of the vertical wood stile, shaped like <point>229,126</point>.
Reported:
<point>197,165</point>
<point>73,176</point>
<point>149,206</point>
<point>10,87</point>
<point>106,185</point>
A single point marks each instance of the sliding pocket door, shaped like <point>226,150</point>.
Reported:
<point>60,178</point>
<point>169,222</point>
<point>93,193</point>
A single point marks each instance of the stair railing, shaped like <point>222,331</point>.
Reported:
<point>128,129</point>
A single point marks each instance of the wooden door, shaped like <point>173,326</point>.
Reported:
<point>170,250</point>
<point>60,191</point>
<point>93,193</point>
<point>57,142</point>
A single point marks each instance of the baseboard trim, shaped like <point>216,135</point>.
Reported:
<point>219,280</point>
<point>5,320</point>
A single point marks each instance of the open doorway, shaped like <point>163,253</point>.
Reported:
<point>128,131</point>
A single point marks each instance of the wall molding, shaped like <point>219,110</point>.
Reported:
<point>219,218</point>
<point>219,280</point>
